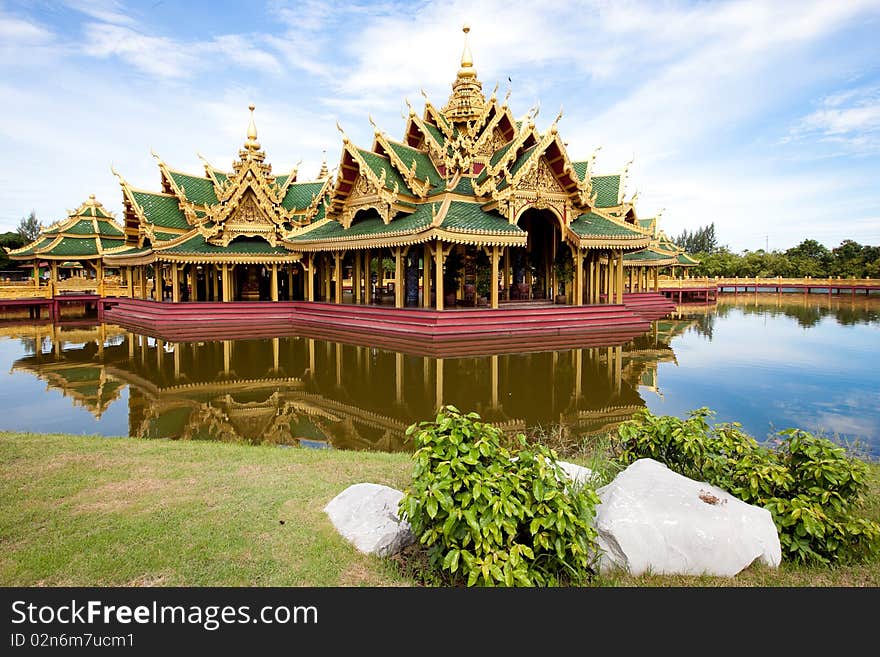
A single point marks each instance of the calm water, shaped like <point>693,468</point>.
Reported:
<point>767,361</point>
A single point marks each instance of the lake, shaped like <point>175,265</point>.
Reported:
<point>768,361</point>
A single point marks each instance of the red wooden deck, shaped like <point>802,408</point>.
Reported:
<point>411,330</point>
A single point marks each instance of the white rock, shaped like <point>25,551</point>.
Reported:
<point>366,515</point>
<point>577,473</point>
<point>654,519</point>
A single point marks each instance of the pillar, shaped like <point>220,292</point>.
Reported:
<point>337,274</point>
<point>439,291</point>
<point>368,277</point>
<point>99,275</point>
<point>214,282</point>
<point>191,279</point>
<point>159,281</point>
<point>142,279</point>
<point>273,283</point>
<point>129,281</point>
<point>175,283</point>
<point>620,276</point>
<point>398,277</point>
<point>426,276</point>
<point>578,288</point>
<point>310,276</point>
<point>356,278</point>
<point>493,280</point>
<point>325,272</point>
<point>656,279</point>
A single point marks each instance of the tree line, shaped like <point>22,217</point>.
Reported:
<point>809,258</point>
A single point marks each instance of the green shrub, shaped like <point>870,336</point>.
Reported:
<point>809,484</point>
<point>490,515</point>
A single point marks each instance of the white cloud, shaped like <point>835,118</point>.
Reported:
<point>108,11</point>
<point>850,119</point>
<point>19,31</point>
<point>163,57</point>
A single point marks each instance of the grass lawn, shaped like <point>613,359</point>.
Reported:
<point>85,510</point>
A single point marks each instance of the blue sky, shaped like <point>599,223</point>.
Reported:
<point>763,117</point>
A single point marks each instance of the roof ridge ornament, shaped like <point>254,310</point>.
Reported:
<point>252,144</point>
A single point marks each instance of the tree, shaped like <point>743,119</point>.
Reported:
<point>10,241</point>
<point>702,240</point>
<point>29,227</point>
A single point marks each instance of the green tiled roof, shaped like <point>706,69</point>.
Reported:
<point>281,181</point>
<point>519,164</point>
<point>220,176</point>
<point>606,189</point>
<point>72,246</point>
<point>299,195</point>
<point>239,246</point>
<point>580,168</point>
<point>435,132</point>
<point>646,255</point>
<point>107,228</point>
<point>131,251</point>
<point>646,223</point>
<point>465,186</point>
<point>592,225</point>
<point>501,152</point>
<point>424,166</point>
<point>378,163</point>
<point>464,216</point>
<point>197,189</point>
<point>81,227</point>
<point>161,210</point>
<point>685,259</point>
<point>33,247</point>
<point>164,237</point>
<point>371,225</point>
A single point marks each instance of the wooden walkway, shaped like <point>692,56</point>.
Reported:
<point>707,289</point>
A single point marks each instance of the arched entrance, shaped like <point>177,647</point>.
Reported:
<point>533,274</point>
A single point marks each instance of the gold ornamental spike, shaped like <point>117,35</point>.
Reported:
<point>252,144</point>
<point>467,60</point>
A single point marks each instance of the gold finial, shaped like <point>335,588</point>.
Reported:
<point>467,100</point>
<point>467,60</point>
<point>324,173</point>
<point>252,143</point>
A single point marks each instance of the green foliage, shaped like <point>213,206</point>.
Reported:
<point>494,516</point>
<point>809,484</point>
<point>563,267</point>
<point>9,241</point>
<point>809,258</point>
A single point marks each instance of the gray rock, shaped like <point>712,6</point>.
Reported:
<point>366,515</point>
<point>652,519</point>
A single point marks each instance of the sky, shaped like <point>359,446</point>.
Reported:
<point>762,117</point>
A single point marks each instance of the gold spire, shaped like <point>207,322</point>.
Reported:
<point>252,144</point>
<point>467,100</point>
<point>324,173</point>
<point>467,60</point>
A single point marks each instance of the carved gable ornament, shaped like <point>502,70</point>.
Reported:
<point>364,195</point>
<point>541,178</point>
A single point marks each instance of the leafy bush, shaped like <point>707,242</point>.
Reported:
<point>490,515</point>
<point>809,484</point>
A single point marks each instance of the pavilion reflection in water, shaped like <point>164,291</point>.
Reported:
<point>303,391</point>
